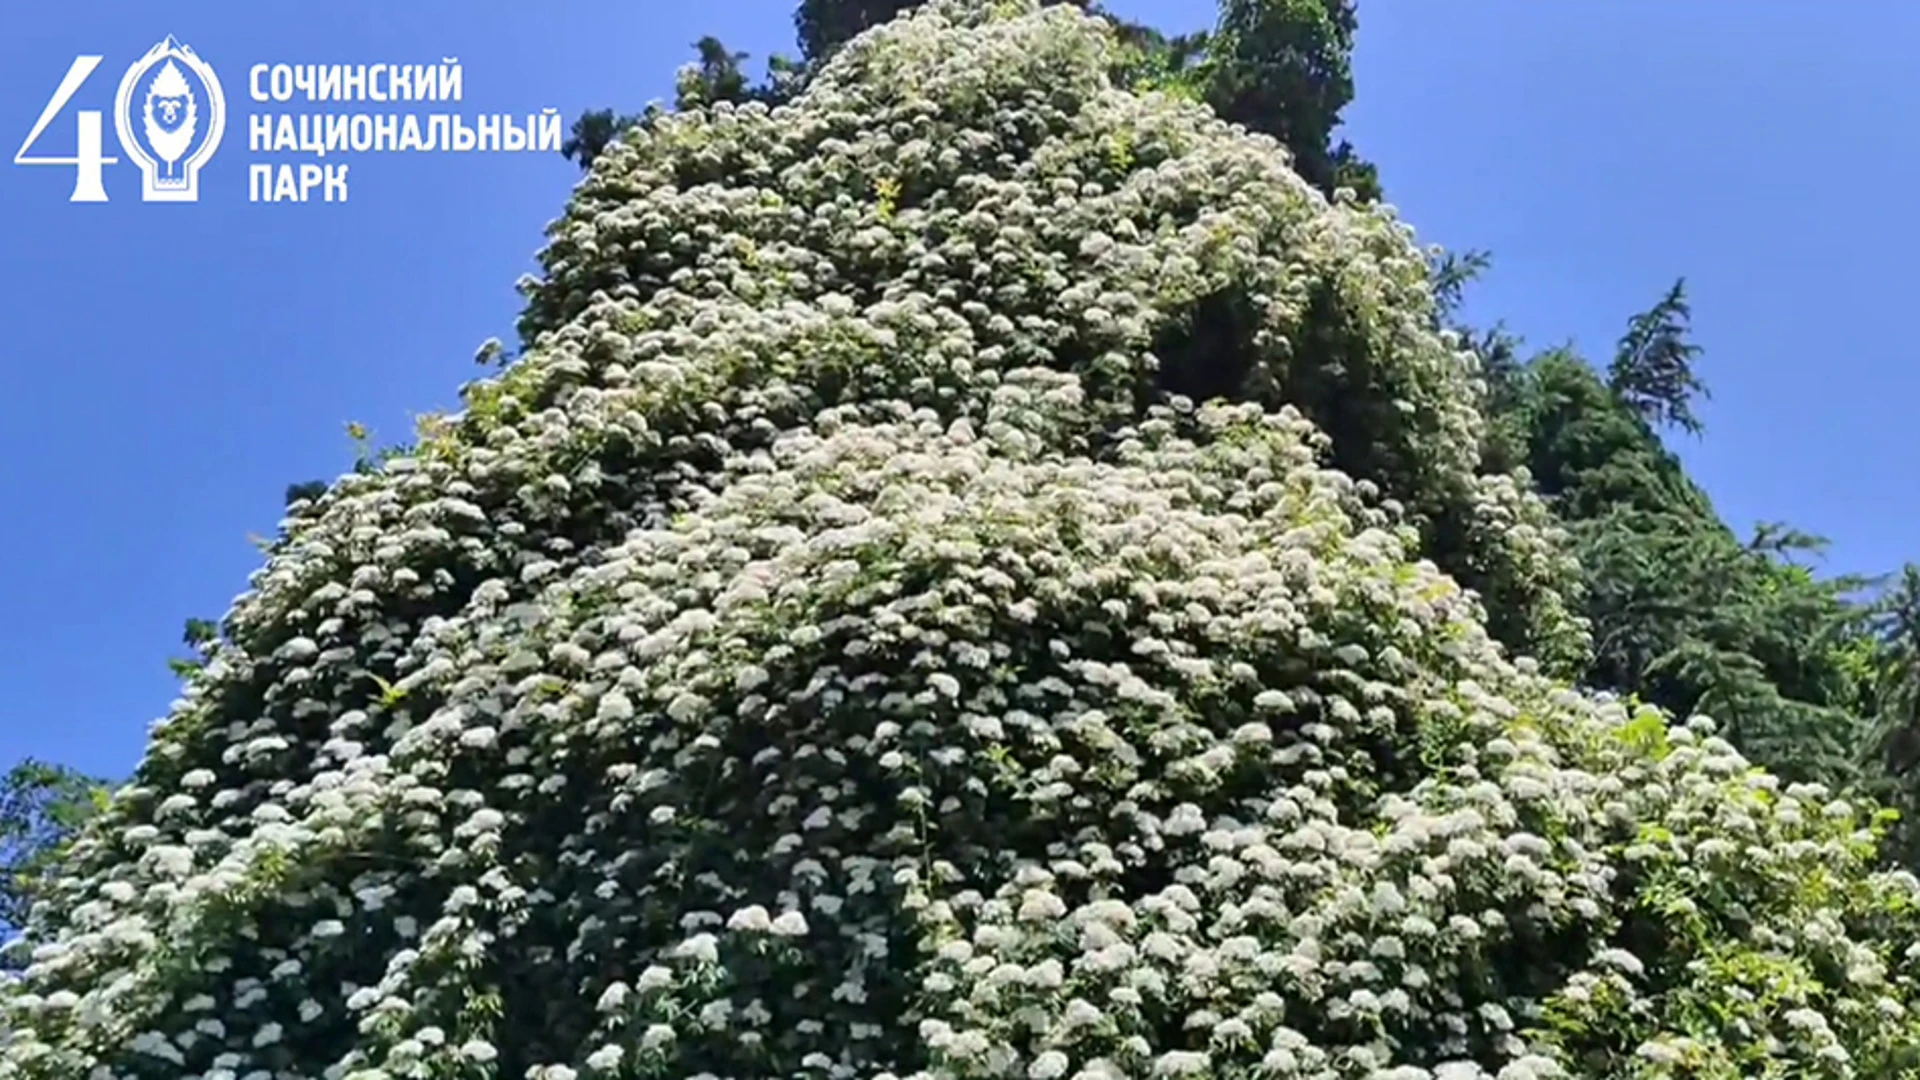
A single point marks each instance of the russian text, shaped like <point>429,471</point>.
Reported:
<point>321,134</point>
<point>357,82</point>
<point>291,183</point>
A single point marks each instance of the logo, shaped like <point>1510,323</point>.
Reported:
<point>171,118</point>
<point>169,115</point>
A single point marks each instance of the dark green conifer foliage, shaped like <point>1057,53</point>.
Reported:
<point>1684,614</point>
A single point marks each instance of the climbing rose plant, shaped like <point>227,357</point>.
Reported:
<point>975,573</point>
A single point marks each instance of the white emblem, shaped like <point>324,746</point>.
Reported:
<point>164,143</point>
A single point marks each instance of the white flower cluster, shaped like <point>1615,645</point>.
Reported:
<point>835,650</point>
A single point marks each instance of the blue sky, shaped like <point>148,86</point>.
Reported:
<point>173,367</point>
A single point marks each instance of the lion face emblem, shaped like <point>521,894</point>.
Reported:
<point>170,115</point>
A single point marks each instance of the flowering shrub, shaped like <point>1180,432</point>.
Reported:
<point>840,647</point>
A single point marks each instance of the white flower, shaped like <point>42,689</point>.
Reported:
<point>1621,959</point>
<point>752,919</point>
<point>1181,1063</point>
<point>1050,1065</point>
<point>654,978</point>
<point>700,948</point>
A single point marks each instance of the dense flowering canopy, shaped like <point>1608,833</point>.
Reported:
<point>840,647</point>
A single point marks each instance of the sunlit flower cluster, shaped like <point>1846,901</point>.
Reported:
<point>840,647</point>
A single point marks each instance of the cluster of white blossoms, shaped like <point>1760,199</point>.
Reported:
<point>840,648</point>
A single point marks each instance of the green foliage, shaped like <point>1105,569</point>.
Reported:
<point>305,492</point>
<point>41,807</point>
<point>1652,371</point>
<point>1895,680</point>
<point>1149,61</point>
<point>201,636</point>
<point>591,134</point>
<point>1281,67</point>
<point>717,75</point>
<point>825,25</point>
<point>1684,614</point>
<point>1450,273</point>
<point>1885,664</point>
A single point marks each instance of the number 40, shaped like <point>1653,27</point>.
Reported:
<point>88,154</point>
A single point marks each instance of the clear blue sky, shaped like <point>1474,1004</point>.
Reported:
<point>171,368</point>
